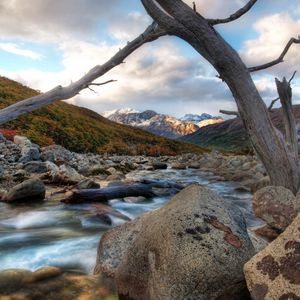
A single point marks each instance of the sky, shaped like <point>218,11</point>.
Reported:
<point>45,43</point>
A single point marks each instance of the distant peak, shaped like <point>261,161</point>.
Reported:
<point>121,111</point>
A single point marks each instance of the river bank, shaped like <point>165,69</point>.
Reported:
<point>50,233</point>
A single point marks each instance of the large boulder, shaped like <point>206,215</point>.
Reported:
<point>192,248</point>
<point>64,175</point>
<point>56,154</point>
<point>274,273</point>
<point>29,190</point>
<point>276,205</point>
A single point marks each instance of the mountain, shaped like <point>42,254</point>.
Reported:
<point>231,135</point>
<point>201,120</point>
<point>160,124</point>
<point>80,129</point>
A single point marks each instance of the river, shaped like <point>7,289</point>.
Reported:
<point>52,233</point>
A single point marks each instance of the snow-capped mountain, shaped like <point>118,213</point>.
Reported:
<point>201,120</point>
<point>160,124</point>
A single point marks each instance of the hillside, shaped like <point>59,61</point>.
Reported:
<point>231,134</point>
<point>82,130</point>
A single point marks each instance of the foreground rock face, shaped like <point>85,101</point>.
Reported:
<point>29,190</point>
<point>51,283</point>
<point>192,248</point>
<point>274,273</point>
<point>276,205</point>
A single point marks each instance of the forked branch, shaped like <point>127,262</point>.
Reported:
<point>280,59</point>
<point>234,16</point>
<point>11,112</point>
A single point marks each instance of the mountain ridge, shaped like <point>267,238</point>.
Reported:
<point>80,129</point>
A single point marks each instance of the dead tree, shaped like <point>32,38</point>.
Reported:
<point>174,17</point>
<point>178,19</point>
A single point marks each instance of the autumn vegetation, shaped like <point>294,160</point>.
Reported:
<point>80,129</point>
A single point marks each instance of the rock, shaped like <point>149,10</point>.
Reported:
<point>274,272</point>
<point>261,183</point>
<point>36,167</point>
<point>1,172</point>
<point>29,190</point>
<point>19,174</point>
<point>87,184</point>
<point>159,165</point>
<point>52,283</point>
<point>194,166</point>
<point>276,205</point>
<point>115,177</point>
<point>178,166</point>
<point>192,248</point>
<point>267,232</point>
<point>56,154</point>
<point>2,138</point>
<point>22,141</point>
<point>65,175</point>
<point>134,199</point>
<point>29,154</point>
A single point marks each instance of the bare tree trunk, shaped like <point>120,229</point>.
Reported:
<point>285,95</point>
<point>180,20</point>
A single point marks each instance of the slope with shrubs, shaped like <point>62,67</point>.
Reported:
<point>82,130</point>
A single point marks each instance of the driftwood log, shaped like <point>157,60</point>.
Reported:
<point>109,193</point>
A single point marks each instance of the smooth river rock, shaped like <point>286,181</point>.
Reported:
<point>192,248</point>
<point>27,191</point>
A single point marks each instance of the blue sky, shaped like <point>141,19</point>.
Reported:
<point>51,42</point>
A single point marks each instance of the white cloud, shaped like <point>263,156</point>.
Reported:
<point>274,32</point>
<point>15,49</point>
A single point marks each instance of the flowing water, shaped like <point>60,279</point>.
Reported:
<point>55,234</point>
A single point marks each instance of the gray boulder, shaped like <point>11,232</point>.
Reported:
<point>192,248</point>
<point>29,154</point>
<point>29,190</point>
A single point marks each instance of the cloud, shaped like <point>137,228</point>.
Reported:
<point>15,49</point>
<point>274,31</point>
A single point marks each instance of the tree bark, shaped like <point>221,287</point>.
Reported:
<point>179,19</point>
<point>285,95</point>
<point>109,193</point>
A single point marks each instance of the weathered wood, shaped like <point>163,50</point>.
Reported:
<point>234,16</point>
<point>285,94</point>
<point>109,193</point>
<point>178,19</point>
<point>280,59</point>
<point>229,112</point>
<point>11,112</point>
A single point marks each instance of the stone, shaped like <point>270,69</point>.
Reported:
<point>22,141</point>
<point>192,248</point>
<point>52,283</point>
<point>267,232</point>
<point>87,184</point>
<point>159,165</point>
<point>134,199</point>
<point>38,167</point>
<point>29,154</point>
<point>56,154</point>
<point>65,175</point>
<point>274,272</point>
<point>178,166</point>
<point>276,205</point>
<point>27,191</point>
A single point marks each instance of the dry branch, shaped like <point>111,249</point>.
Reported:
<point>279,59</point>
<point>11,112</point>
<point>234,16</point>
<point>229,112</point>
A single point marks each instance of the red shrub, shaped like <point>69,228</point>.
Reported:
<point>8,133</point>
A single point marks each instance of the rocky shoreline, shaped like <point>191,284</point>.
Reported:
<point>204,226</point>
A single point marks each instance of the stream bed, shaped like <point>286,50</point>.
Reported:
<point>52,233</point>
